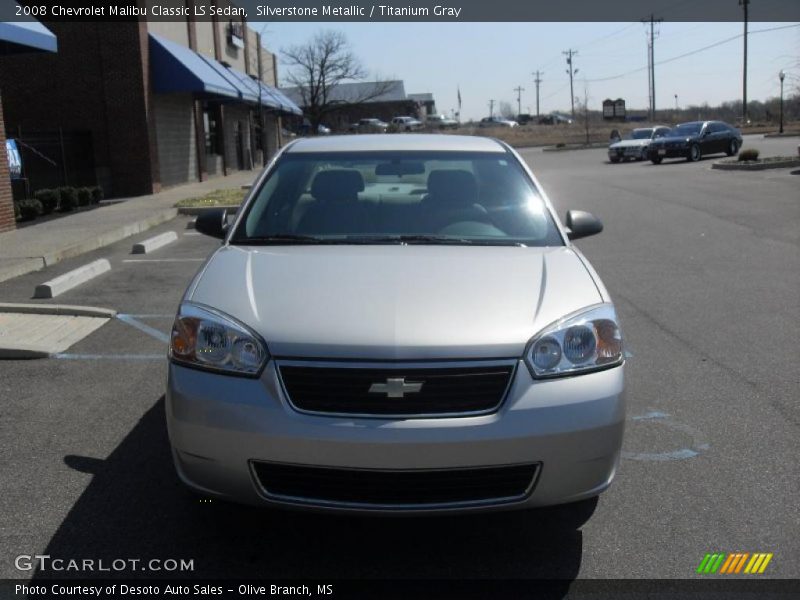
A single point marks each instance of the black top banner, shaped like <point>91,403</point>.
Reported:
<point>401,10</point>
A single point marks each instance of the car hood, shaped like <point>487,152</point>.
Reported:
<point>629,143</point>
<point>395,302</point>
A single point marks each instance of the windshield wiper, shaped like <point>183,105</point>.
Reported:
<point>411,239</point>
<point>280,239</point>
<point>430,239</point>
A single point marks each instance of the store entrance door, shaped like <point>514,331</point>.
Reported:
<point>239,141</point>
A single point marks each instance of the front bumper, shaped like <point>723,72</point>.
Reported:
<point>571,428</point>
<point>627,152</point>
<point>671,152</point>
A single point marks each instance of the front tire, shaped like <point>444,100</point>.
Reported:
<point>733,148</point>
<point>656,160</point>
<point>694,153</point>
<point>614,159</point>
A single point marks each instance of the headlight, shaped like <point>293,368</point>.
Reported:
<point>207,339</point>
<point>588,340</point>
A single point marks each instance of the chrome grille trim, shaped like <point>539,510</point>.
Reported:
<point>513,363</point>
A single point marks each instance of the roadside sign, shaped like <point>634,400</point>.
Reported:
<point>14,159</point>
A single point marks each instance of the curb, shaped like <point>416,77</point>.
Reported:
<point>71,279</point>
<point>580,147</point>
<point>756,166</point>
<point>21,266</point>
<point>194,211</point>
<point>23,353</point>
<point>93,243</point>
<point>58,309</point>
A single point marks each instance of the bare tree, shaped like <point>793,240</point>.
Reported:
<point>318,67</point>
<point>506,110</point>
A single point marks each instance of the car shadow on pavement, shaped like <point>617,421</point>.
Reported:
<point>135,507</point>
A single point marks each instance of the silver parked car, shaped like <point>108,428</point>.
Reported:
<point>497,121</point>
<point>637,145</point>
<point>400,324</point>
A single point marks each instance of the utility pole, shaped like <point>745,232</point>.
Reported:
<point>491,108</point>
<point>743,4</point>
<point>651,59</point>
<point>519,89</point>
<point>537,81</point>
<point>781,76</point>
<point>569,54</point>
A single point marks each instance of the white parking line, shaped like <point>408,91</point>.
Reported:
<point>151,331</point>
<point>68,356</point>
<point>157,260</point>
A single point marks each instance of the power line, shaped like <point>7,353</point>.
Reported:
<point>690,53</point>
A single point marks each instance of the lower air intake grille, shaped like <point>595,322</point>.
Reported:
<point>397,488</point>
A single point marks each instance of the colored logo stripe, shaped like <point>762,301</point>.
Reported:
<point>734,563</point>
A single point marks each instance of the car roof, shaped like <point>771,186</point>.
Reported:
<point>391,142</point>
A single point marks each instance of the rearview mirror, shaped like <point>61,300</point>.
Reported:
<point>213,223</point>
<point>581,224</point>
<point>400,168</point>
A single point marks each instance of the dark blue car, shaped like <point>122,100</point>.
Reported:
<point>694,140</point>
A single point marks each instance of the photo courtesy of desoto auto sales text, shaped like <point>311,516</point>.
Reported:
<point>429,300</point>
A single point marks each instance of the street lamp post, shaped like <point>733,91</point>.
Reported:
<point>676,101</point>
<point>781,75</point>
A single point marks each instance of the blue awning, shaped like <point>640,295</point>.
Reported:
<point>176,68</point>
<point>252,86</point>
<point>26,36</point>
<point>286,104</point>
<point>245,92</point>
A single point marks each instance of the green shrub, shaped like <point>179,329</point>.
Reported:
<point>48,198</point>
<point>68,198</point>
<point>28,209</point>
<point>17,213</point>
<point>749,154</point>
<point>97,194</point>
<point>84,196</point>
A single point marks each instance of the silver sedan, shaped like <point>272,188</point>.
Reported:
<point>397,324</point>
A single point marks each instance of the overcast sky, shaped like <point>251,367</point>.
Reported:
<point>489,60</point>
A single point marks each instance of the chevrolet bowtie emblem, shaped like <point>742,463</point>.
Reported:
<point>395,387</point>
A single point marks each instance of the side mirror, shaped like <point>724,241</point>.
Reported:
<point>213,223</point>
<point>581,224</point>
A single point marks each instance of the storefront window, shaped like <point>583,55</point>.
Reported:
<point>211,127</point>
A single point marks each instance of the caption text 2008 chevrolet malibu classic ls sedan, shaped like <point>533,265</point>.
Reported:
<point>399,324</point>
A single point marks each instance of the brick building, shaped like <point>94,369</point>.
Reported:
<point>16,39</point>
<point>138,106</point>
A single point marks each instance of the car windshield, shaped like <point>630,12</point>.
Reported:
<point>687,129</point>
<point>641,134</point>
<point>398,197</point>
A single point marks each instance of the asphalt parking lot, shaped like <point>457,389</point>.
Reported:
<point>704,266</point>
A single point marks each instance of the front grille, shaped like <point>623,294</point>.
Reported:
<point>394,488</point>
<point>443,391</point>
